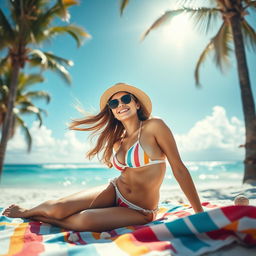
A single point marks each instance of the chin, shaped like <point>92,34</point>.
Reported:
<point>124,118</point>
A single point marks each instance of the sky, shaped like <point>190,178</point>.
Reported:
<point>207,122</point>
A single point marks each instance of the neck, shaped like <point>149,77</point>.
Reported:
<point>131,126</point>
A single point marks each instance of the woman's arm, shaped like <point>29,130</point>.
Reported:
<point>167,144</point>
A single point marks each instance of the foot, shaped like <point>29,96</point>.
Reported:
<point>15,211</point>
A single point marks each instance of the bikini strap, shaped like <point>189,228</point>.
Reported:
<point>139,130</point>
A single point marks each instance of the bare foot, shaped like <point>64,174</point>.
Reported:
<point>15,211</point>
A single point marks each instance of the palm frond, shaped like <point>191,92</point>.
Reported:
<point>30,108</point>
<point>161,20</point>
<point>201,59</point>
<point>220,47</point>
<point>123,5</point>
<point>28,80</point>
<point>249,35</point>
<point>57,64</point>
<point>58,59</point>
<point>63,12</point>
<point>251,4</point>
<point>38,95</point>
<point>45,18</point>
<point>204,18</point>
<point>60,70</point>
<point>52,62</point>
<point>196,3</point>
<point>3,64</point>
<point>25,130</point>
<point>76,32</point>
<point>37,58</point>
<point>4,90</point>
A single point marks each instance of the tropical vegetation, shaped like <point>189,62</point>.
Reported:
<point>24,26</point>
<point>23,104</point>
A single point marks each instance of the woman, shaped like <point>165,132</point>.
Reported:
<point>137,146</point>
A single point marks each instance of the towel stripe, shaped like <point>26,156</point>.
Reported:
<point>127,242</point>
<point>191,235</point>
<point>17,238</point>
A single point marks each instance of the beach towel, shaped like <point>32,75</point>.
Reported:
<point>176,231</point>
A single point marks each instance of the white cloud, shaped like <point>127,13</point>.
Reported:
<point>216,137</point>
<point>213,138</point>
<point>46,148</point>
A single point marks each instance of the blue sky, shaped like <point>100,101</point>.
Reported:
<point>207,122</point>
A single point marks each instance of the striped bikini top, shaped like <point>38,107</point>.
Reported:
<point>135,156</point>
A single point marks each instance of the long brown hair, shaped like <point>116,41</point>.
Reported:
<point>107,128</point>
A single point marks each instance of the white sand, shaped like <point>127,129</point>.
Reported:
<point>220,195</point>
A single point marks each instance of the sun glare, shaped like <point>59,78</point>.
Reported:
<point>178,31</point>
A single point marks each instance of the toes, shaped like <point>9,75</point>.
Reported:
<point>5,211</point>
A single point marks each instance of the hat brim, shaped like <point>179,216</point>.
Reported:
<point>121,87</point>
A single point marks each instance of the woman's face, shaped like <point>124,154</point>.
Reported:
<point>124,111</point>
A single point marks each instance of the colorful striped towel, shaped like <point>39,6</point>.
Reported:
<point>176,232</point>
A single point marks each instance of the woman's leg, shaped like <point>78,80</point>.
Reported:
<point>98,220</point>
<point>99,197</point>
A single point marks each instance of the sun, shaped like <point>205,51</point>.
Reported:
<point>178,31</point>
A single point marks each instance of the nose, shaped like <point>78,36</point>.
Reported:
<point>120,103</point>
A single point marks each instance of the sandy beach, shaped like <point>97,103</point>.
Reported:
<point>219,194</point>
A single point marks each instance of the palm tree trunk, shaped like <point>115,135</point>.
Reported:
<point>9,114</point>
<point>247,102</point>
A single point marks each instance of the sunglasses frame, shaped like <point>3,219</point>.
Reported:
<point>120,100</point>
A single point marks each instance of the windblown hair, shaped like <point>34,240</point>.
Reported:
<point>107,128</point>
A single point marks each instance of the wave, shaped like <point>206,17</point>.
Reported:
<point>210,165</point>
<point>73,166</point>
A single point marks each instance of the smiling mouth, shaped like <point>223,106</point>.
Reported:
<point>124,110</point>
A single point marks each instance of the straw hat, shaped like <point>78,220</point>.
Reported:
<point>121,87</point>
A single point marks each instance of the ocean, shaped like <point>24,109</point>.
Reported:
<point>204,174</point>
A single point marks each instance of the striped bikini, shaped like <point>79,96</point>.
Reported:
<point>135,156</point>
<point>123,202</point>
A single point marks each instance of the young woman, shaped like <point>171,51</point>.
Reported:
<point>138,146</point>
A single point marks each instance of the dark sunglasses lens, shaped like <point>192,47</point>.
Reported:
<point>113,103</point>
<point>126,99</point>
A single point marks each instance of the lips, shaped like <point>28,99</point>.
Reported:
<point>123,110</point>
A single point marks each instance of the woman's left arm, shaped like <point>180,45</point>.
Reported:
<point>167,143</point>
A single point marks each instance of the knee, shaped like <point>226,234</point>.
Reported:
<point>83,221</point>
<point>54,209</point>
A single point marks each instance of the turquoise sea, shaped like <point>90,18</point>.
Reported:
<point>89,175</point>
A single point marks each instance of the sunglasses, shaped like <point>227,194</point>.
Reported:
<point>126,99</point>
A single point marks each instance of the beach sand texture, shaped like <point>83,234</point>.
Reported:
<point>219,195</point>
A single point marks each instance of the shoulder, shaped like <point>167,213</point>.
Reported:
<point>154,123</point>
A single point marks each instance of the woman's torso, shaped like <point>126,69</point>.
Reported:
<point>141,185</point>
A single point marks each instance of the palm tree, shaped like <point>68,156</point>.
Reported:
<point>23,103</point>
<point>233,29</point>
<point>31,23</point>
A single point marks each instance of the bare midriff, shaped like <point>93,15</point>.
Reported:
<point>141,185</point>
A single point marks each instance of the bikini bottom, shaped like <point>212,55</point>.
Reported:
<point>122,202</point>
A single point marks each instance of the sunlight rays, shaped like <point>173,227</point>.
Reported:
<point>178,32</point>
